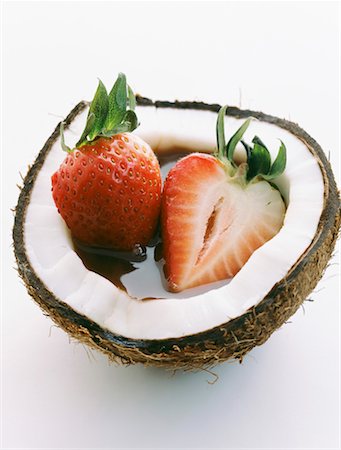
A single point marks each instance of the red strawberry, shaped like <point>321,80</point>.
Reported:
<point>108,189</point>
<point>215,214</point>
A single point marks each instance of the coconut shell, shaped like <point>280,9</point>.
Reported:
<point>229,341</point>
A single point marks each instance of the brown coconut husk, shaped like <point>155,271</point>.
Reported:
<point>232,340</point>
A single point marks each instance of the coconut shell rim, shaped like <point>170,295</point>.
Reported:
<point>129,350</point>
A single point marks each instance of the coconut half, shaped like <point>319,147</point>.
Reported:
<point>202,326</point>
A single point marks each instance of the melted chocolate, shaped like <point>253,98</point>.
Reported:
<point>112,264</point>
<point>158,252</point>
<point>108,266</point>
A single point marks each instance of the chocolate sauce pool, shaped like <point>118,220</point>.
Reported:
<point>112,264</point>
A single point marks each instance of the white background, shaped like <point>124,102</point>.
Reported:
<point>281,58</point>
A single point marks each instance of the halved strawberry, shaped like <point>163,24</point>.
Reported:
<point>215,214</point>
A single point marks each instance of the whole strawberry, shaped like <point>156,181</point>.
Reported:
<point>215,214</point>
<point>108,188</point>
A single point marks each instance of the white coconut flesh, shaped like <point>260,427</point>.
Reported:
<point>52,255</point>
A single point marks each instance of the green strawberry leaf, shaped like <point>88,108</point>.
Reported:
<point>96,116</point>
<point>247,147</point>
<point>131,119</point>
<point>278,165</point>
<point>266,162</point>
<point>88,127</point>
<point>128,123</point>
<point>132,99</point>
<point>257,140</point>
<point>220,133</point>
<point>259,161</point>
<point>62,139</point>
<point>117,103</point>
<point>232,143</point>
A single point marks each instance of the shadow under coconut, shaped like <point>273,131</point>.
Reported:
<point>149,375</point>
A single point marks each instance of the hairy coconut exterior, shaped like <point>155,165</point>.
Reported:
<point>231,340</point>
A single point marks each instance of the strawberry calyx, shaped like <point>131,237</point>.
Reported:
<point>109,114</point>
<point>258,165</point>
